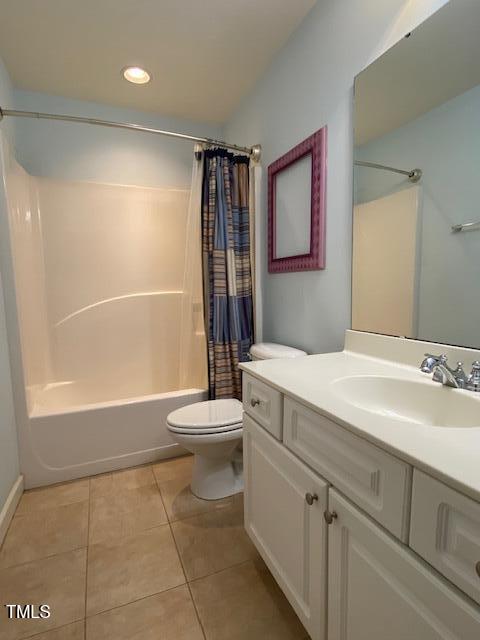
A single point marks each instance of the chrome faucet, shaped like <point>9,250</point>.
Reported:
<point>456,378</point>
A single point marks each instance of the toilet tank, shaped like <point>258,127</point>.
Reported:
<point>271,350</point>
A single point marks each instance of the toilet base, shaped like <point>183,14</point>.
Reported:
<point>213,478</point>
<point>217,463</point>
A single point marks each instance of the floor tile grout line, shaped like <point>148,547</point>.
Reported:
<point>126,604</point>
<point>127,535</point>
<point>62,626</point>
<point>214,573</point>
<point>181,563</point>
<point>86,559</point>
<point>197,612</point>
<point>31,512</point>
<point>173,537</point>
<point>48,557</point>
<point>187,583</point>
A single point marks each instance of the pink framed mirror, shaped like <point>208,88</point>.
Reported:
<point>296,207</point>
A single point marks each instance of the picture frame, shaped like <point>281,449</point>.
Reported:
<point>297,207</point>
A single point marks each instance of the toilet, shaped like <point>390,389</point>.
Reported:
<point>212,431</point>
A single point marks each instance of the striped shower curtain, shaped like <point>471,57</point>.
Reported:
<point>226,269</point>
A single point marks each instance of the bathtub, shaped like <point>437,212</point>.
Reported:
<point>68,439</point>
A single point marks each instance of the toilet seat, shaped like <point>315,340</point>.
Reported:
<point>191,431</point>
<point>211,416</point>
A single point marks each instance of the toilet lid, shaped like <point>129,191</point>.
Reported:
<point>271,351</point>
<point>207,415</point>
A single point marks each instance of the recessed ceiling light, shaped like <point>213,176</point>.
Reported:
<point>137,75</point>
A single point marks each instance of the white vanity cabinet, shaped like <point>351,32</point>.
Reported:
<point>374,480</point>
<point>284,506</point>
<point>301,471</point>
<point>445,530</point>
<point>378,589</point>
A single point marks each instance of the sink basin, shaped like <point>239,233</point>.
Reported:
<point>422,403</point>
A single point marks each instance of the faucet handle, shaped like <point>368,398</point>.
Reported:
<point>431,361</point>
<point>473,380</point>
<point>460,376</point>
<point>441,358</point>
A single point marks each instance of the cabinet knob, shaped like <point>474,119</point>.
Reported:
<point>477,568</point>
<point>311,498</point>
<point>254,401</point>
<point>330,516</point>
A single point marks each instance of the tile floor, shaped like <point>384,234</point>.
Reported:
<point>133,555</point>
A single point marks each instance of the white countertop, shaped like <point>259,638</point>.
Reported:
<point>452,454</point>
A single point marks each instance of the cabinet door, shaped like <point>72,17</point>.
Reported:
<point>379,589</point>
<point>289,533</point>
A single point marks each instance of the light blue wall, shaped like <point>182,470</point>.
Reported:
<point>9,468</point>
<point>309,84</point>
<point>85,152</point>
<point>445,144</point>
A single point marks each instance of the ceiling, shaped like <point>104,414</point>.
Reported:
<point>439,61</point>
<point>203,55</point>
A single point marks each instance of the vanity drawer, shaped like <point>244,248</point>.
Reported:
<point>374,480</point>
<point>264,404</point>
<point>445,531</point>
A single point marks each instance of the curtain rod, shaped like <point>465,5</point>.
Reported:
<point>414,175</point>
<point>254,151</point>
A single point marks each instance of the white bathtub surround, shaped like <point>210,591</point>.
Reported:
<point>9,467</point>
<point>101,268</point>
<point>8,509</point>
<point>327,383</point>
<point>98,274</point>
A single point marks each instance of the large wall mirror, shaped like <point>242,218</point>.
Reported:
<point>416,220</point>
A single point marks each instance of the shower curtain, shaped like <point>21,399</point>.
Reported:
<point>227,276</point>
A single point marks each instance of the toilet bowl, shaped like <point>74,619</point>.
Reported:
<point>212,431</point>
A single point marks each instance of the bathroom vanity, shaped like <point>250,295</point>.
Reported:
<point>362,490</point>
<point>362,472</point>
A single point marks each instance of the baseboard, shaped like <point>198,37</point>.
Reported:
<point>8,509</point>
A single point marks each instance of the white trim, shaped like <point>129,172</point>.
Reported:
<point>8,509</point>
<point>258,242</point>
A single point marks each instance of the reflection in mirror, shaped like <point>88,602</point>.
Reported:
<point>416,244</point>
<point>293,209</point>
